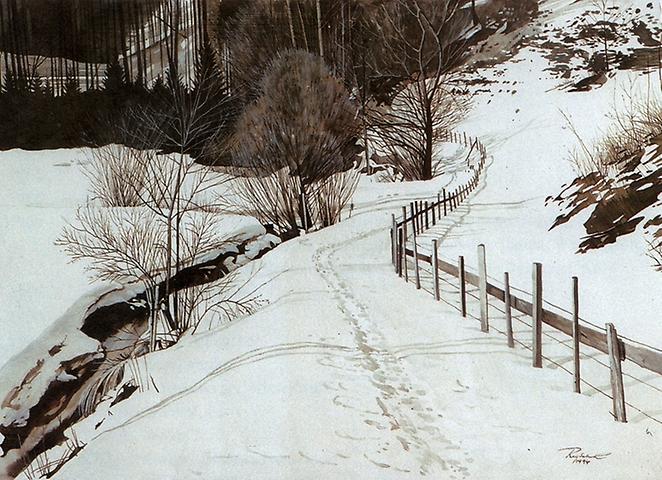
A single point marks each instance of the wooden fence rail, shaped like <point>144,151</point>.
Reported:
<point>424,214</point>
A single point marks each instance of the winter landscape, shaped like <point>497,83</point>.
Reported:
<point>337,239</point>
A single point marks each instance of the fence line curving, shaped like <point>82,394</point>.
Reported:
<point>422,215</point>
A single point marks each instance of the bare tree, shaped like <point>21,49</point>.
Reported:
<point>332,196</point>
<point>417,120</point>
<point>129,245</point>
<point>156,176</point>
<point>420,41</point>
<point>174,184</point>
<point>607,19</point>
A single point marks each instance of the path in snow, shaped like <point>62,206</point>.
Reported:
<point>396,402</point>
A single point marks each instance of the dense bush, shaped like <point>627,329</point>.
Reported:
<point>300,133</point>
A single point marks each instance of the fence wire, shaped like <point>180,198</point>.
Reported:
<point>451,203</point>
<point>471,293</point>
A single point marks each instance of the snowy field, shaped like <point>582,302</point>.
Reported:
<point>40,193</point>
<point>346,371</point>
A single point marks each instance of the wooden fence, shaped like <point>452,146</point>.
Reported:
<point>422,215</point>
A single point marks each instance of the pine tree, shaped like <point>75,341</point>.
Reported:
<point>71,84</point>
<point>207,71</point>
<point>114,80</point>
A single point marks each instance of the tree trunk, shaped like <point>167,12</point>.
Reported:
<point>319,29</point>
<point>289,20</point>
<point>428,135</point>
<point>474,14</point>
<point>153,301</point>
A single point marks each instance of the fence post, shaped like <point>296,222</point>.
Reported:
<point>404,258</point>
<point>482,272</point>
<point>435,268</point>
<point>427,218</point>
<point>536,347</point>
<point>434,214</point>
<point>413,217</point>
<point>576,332</point>
<point>445,210</point>
<point>391,236</point>
<point>617,391</point>
<point>400,251</point>
<point>304,211</point>
<point>421,224</point>
<point>463,287</point>
<point>416,270</point>
<point>509,317</point>
<point>404,221</point>
<point>439,205</point>
<point>394,240</point>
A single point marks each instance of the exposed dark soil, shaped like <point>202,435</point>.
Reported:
<point>617,203</point>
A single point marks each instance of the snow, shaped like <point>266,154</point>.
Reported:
<point>529,142</point>
<point>40,192</point>
<point>347,372</point>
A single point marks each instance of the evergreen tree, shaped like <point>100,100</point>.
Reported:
<point>114,80</point>
<point>207,72</point>
<point>71,84</point>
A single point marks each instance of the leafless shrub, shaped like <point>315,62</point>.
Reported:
<point>655,252</point>
<point>274,198</point>
<point>200,236</point>
<point>109,169</point>
<point>122,245</point>
<point>332,195</point>
<point>131,245</point>
<point>50,462</point>
<point>220,302</point>
<point>119,245</point>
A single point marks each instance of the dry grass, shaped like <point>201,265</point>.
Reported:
<point>636,119</point>
<point>655,252</point>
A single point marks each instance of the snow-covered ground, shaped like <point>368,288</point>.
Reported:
<point>350,373</point>
<point>39,192</point>
<point>529,142</point>
<point>347,372</point>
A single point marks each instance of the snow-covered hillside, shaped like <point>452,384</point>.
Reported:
<point>345,371</point>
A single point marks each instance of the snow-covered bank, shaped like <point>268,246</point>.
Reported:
<point>63,376</point>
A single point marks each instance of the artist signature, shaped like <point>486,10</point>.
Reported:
<point>578,456</point>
